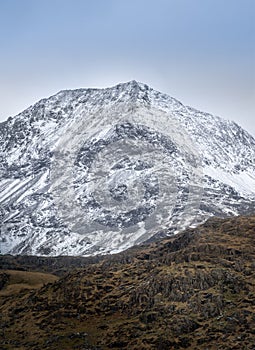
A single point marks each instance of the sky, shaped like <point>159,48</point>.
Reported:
<point>201,52</point>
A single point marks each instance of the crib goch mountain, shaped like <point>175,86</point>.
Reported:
<point>96,171</point>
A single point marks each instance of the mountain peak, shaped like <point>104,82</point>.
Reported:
<point>85,173</point>
<point>132,84</point>
<point>132,88</point>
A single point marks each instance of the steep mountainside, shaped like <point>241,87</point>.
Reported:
<point>195,290</point>
<point>95,171</point>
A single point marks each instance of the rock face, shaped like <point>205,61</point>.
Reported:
<point>95,171</point>
<point>194,290</point>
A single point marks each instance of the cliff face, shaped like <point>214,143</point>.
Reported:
<point>96,171</point>
<point>193,291</point>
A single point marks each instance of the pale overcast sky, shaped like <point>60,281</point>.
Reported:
<point>198,51</point>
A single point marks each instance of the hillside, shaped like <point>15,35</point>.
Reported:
<point>13,282</point>
<point>96,171</point>
<point>192,291</point>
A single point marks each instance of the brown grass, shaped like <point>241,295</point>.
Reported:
<point>193,291</point>
<point>24,280</point>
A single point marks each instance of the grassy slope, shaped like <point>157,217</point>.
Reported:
<point>17,281</point>
<point>193,291</point>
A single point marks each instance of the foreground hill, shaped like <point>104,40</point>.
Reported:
<point>193,291</point>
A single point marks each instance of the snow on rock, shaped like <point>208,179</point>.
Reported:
<point>95,171</point>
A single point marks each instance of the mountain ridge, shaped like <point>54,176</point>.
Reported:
<point>143,140</point>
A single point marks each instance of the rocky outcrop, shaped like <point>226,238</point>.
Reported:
<point>195,290</point>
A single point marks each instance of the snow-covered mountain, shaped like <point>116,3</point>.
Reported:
<point>95,171</point>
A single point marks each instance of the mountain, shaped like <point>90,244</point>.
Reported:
<point>96,171</point>
<point>194,290</point>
